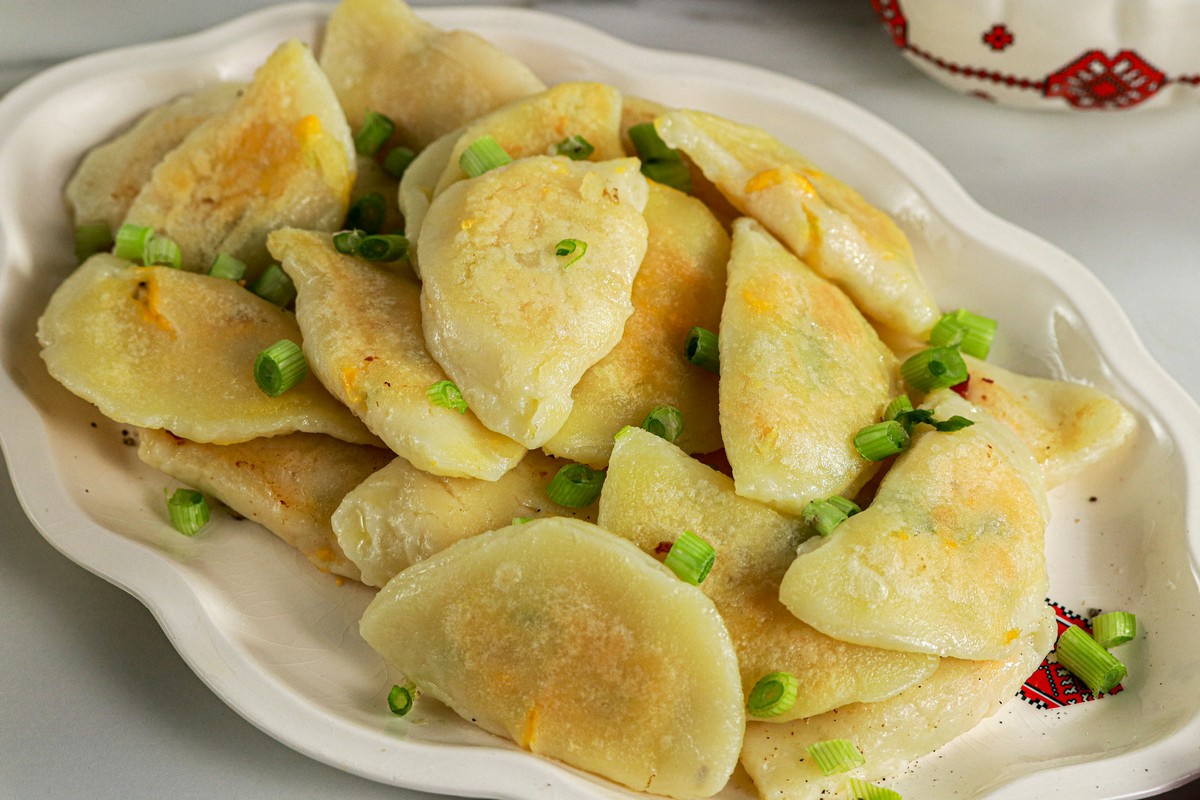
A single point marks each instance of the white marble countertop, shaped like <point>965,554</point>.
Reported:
<point>95,701</point>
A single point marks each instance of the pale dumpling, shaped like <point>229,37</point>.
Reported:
<point>362,334</point>
<point>515,325</point>
<point>402,515</point>
<point>576,645</point>
<point>949,557</point>
<point>1066,425</point>
<point>280,155</point>
<point>801,372</point>
<point>892,733</point>
<point>381,57</point>
<point>289,484</point>
<point>416,191</point>
<point>654,492</point>
<point>680,284</point>
<point>161,348</point>
<point>111,175</point>
<point>822,220</point>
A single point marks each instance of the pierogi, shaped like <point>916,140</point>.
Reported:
<point>362,336</point>
<point>515,325</point>
<point>576,645</point>
<point>654,492</point>
<point>280,156</point>
<point>133,341</point>
<point>680,284</point>
<point>822,220</point>
<point>288,484</point>
<point>402,515</point>
<point>949,558</point>
<point>381,57</point>
<point>801,372</point>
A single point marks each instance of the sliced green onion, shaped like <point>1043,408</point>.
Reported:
<point>649,145</point>
<point>947,332</point>
<point>823,515</point>
<point>228,267</point>
<point>691,558</point>
<point>397,160</point>
<point>521,520</point>
<point>348,242</point>
<point>847,506</point>
<point>1114,628</point>
<point>835,755</point>
<point>934,368</point>
<point>131,241</point>
<point>861,790</point>
<point>575,148</point>
<point>483,154</point>
<point>877,442</point>
<point>773,695</point>
<point>383,247</point>
<point>898,406</point>
<point>367,213</point>
<point>401,698</point>
<point>969,332</point>
<point>669,173</point>
<point>275,286</point>
<point>446,395</point>
<point>955,423</point>
<point>374,133</point>
<point>188,510</point>
<point>161,251</point>
<point>92,238</point>
<point>665,422</point>
<point>702,349</point>
<point>280,367</point>
<point>568,246</point>
<point>1091,663</point>
<point>575,486</point>
<point>621,434</point>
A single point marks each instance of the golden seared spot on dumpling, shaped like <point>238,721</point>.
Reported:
<point>801,372</point>
<point>362,334</point>
<point>1066,425</point>
<point>111,175</point>
<point>576,645</point>
<point>681,284</point>
<point>822,220</point>
<point>949,558</point>
<point>381,57</point>
<point>894,732</point>
<point>534,125</point>
<point>402,515</point>
<point>280,155</point>
<point>654,492</point>
<point>514,324</point>
<point>160,348</point>
<point>289,484</point>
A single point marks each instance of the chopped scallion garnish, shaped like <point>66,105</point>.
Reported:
<point>374,133</point>
<point>702,349</point>
<point>1114,628</point>
<point>401,698</point>
<point>568,247</point>
<point>911,418</point>
<point>669,173</point>
<point>659,162</point>
<point>447,395</point>
<point>955,423</point>
<point>131,241</point>
<point>898,406</point>
<point>861,790</point>
<point>969,332</point>
<point>877,442</point>
<point>92,238</point>
<point>1088,661</point>
<point>483,154</point>
<point>845,505</point>
<point>691,558</point>
<point>575,148</point>
<point>773,695</point>
<point>228,267</point>
<point>934,368</point>
<point>825,515</point>
<point>521,520</point>
<point>188,510</point>
<point>835,755</point>
<point>348,242</point>
<point>397,161</point>
<point>280,367</point>
<point>367,213</point>
<point>161,251</point>
<point>383,247</point>
<point>575,486</point>
<point>275,286</point>
<point>664,421</point>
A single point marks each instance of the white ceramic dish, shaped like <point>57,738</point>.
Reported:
<point>278,641</point>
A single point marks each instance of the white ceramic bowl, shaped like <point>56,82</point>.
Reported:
<point>1066,55</point>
